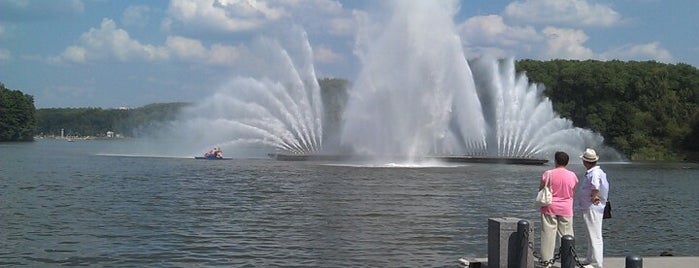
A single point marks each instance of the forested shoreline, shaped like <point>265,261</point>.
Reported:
<point>646,110</point>
<point>96,122</point>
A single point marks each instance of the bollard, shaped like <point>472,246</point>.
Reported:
<point>517,246</point>
<point>634,261</point>
<point>566,251</point>
<point>523,252</point>
<point>502,237</point>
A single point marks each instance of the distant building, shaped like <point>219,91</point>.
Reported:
<point>122,108</point>
<point>110,134</point>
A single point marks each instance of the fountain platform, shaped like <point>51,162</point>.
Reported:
<point>452,159</point>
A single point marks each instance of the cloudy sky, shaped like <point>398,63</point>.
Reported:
<point>102,53</point>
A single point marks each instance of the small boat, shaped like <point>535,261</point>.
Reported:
<point>212,158</point>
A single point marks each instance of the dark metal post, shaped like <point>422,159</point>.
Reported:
<point>634,261</point>
<point>523,233</point>
<point>566,251</point>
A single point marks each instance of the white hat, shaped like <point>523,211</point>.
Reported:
<point>589,156</point>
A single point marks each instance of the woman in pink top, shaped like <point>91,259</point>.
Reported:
<point>557,218</point>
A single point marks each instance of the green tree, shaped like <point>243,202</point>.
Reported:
<point>17,120</point>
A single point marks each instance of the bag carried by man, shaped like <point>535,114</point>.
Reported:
<point>607,211</point>
<point>545,196</point>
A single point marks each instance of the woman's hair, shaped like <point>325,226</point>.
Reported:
<point>561,158</point>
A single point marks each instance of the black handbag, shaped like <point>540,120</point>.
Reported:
<point>607,211</point>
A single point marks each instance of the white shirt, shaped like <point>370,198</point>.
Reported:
<point>595,179</point>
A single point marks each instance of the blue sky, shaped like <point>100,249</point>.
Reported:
<point>100,53</point>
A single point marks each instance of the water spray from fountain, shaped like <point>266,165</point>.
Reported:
<point>278,106</point>
<point>417,95</point>
<point>520,121</point>
<point>413,84</point>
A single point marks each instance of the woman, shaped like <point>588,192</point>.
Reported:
<point>557,218</point>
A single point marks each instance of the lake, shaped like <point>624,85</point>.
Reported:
<point>94,203</point>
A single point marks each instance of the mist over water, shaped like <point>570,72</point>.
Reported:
<point>416,95</point>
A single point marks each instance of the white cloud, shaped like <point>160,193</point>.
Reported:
<point>74,54</point>
<point>223,15</point>
<point>136,15</point>
<point>490,35</point>
<point>320,6</point>
<point>323,54</point>
<point>193,50</point>
<point>320,14</point>
<point>186,48</point>
<point>250,8</point>
<point>216,17</point>
<point>492,30</point>
<point>222,55</point>
<point>112,43</point>
<point>650,51</point>
<point>566,44</point>
<point>567,12</point>
<point>493,35</point>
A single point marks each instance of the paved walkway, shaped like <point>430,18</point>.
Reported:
<point>651,262</point>
<point>648,262</point>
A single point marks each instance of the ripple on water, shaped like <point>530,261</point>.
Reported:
<point>140,212</point>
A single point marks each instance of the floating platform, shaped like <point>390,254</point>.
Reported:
<point>493,160</point>
<point>453,159</point>
<point>212,158</point>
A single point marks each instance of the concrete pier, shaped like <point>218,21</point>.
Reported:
<point>506,236</point>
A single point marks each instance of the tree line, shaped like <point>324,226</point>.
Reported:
<point>646,110</point>
<point>97,122</point>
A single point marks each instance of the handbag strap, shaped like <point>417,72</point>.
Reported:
<point>548,179</point>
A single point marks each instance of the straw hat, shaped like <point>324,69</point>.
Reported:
<point>589,156</point>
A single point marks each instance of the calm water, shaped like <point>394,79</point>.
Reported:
<point>76,203</point>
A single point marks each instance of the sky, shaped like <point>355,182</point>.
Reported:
<point>108,54</point>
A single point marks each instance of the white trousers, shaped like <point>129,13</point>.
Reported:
<point>552,229</point>
<point>595,245</point>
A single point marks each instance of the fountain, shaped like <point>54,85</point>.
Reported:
<point>278,106</point>
<point>416,97</point>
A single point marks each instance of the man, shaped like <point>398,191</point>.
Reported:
<point>557,218</point>
<point>591,199</point>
